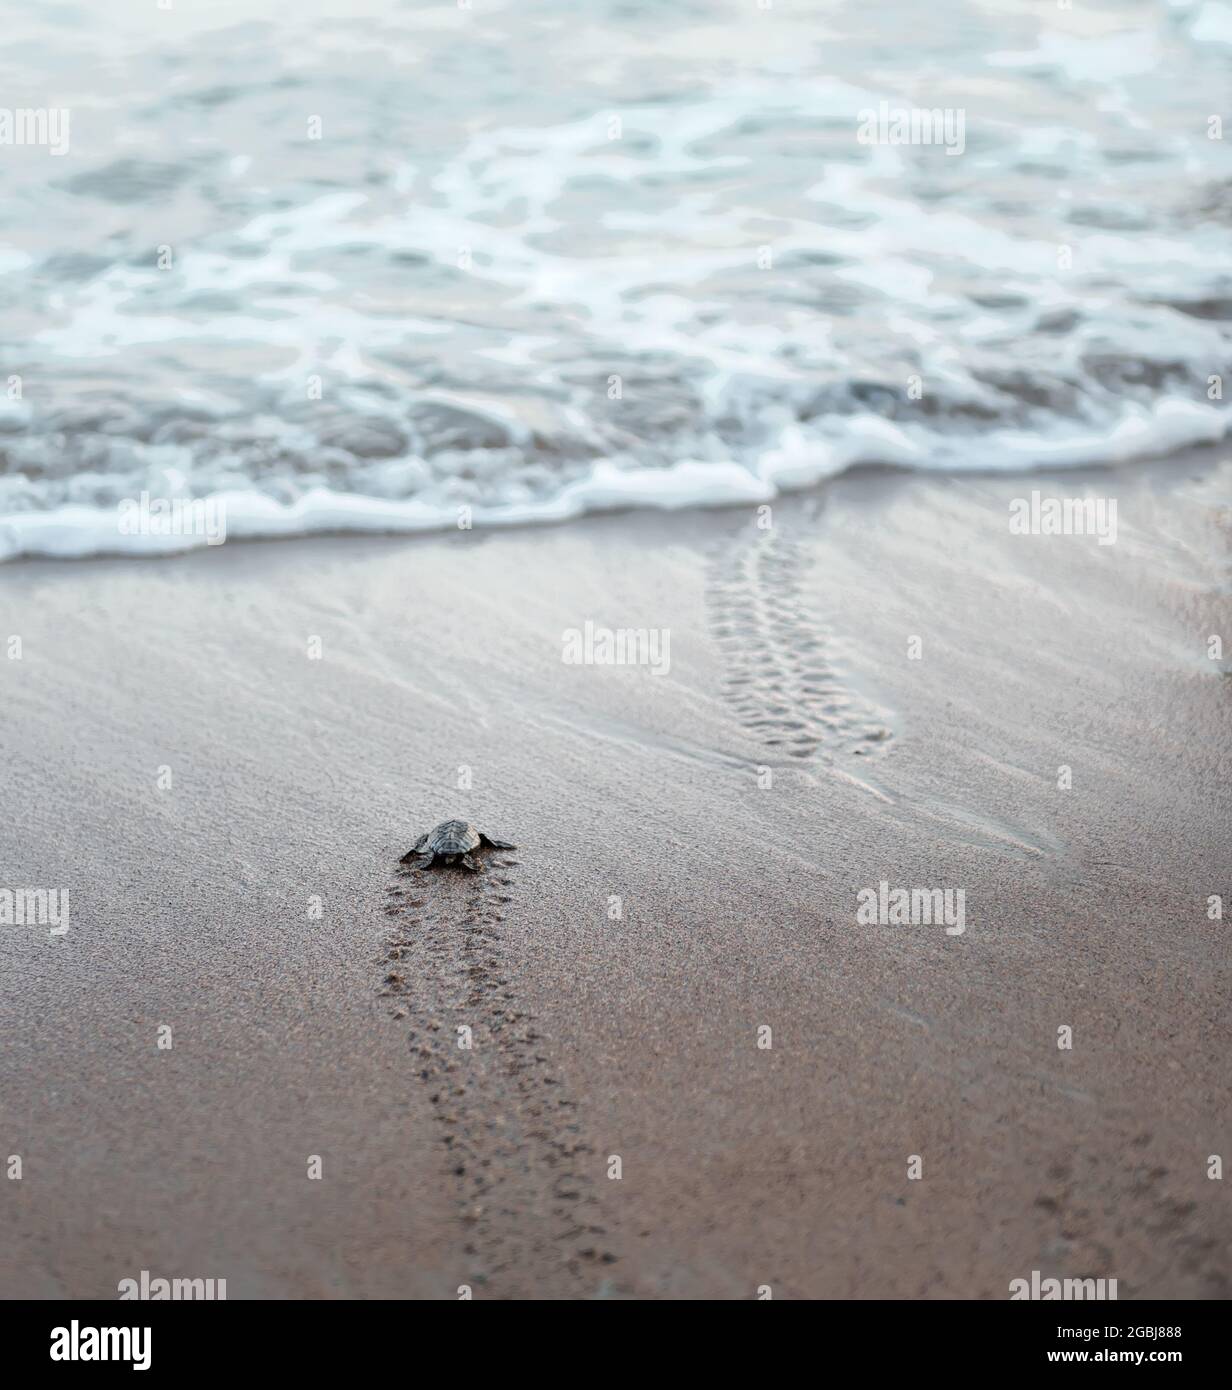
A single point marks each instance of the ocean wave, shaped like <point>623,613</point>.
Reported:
<point>799,460</point>
<point>680,279</point>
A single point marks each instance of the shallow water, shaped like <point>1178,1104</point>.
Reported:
<point>546,257</point>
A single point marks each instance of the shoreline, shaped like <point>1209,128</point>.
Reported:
<point>653,492</point>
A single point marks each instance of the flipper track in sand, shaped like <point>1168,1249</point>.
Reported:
<point>521,1171</point>
<point>779,681</point>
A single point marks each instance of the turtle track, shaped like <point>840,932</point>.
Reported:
<point>780,682</point>
<point>522,1174</point>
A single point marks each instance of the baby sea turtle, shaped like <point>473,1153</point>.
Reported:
<point>451,843</point>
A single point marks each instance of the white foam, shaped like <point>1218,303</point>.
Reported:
<point>1213,23</point>
<point>800,459</point>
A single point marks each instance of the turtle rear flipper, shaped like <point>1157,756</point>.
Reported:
<point>496,844</point>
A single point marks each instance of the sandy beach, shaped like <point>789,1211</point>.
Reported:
<point>223,756</point>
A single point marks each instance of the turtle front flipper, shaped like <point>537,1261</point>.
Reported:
<point>490,843</point>
<point>415,849</point>
<point>472,865</point>
<point>417,861</point>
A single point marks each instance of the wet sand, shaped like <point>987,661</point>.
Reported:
<point>691,846</point>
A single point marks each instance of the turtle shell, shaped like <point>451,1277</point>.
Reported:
<point>453,837</point>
